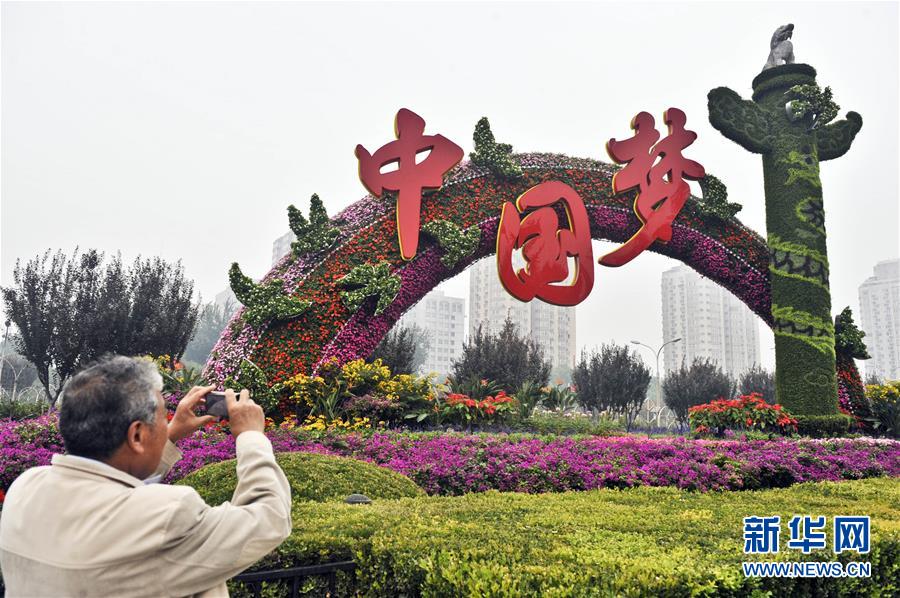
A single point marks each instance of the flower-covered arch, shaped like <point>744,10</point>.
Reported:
<point>332,326</point>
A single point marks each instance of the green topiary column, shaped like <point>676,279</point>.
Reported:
<point>786,122</point>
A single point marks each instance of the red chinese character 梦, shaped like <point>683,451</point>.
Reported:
<point>409,178</point>
<point>662,190</point>
<point>545,247</point>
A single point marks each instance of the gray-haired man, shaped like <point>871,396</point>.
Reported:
<point>92,524</point>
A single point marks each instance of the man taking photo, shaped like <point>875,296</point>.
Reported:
<point>93,523</point>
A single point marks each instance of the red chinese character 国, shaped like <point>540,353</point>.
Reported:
<point>409,178</point>
<point>545,246</point>
<point>662,190</point>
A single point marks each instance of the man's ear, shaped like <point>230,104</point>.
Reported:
<point>138,435</point>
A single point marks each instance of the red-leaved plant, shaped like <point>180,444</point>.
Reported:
<point>747,412</point>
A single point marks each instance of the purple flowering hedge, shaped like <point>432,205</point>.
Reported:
<point>454,464</point>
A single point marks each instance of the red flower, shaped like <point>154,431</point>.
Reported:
<point>2,496</point>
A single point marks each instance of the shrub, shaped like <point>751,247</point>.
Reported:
<point>570,424</point>
<point>747,412</point>
<point>885,400</point>
<point>823,426</point>
<point>560,398</point>
<point>699,383</point>
<point>318,478</point>
<point>18,408</point>
<point>507,357</point>
<point>460,409</point>
<point>758,380</point>
<point>637,542</point>
<point>528,396</point>
<point>356,389</point>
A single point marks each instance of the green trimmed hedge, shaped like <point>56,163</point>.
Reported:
<point>823,426</point>
<point>554,423</point>
<point>316,478</point>
<point>635,542</point>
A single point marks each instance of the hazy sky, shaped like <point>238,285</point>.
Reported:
<point>184,130</point>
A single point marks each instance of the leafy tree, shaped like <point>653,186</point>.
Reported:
<point>701,382</point>
<point>211,322</point>
<point>612,379</point>
<point>70,311</point>
<point>505,358</point>
<point>760,380</point>
<point>403,349</point>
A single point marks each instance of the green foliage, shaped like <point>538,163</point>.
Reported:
<point>560,399</point>
<point>264,302</point>
<point>811,104</point>
<point>759,380</point>
<point>848,338</point>
<point>715,199</point>
<point>505,358</point>
<point>314,478</point>
<point>634,542</point>
<point>370,280</point>
<point>457,244</point>
<point>315,234</point>
<point>570,424</point>
<point>21,408</point>
<point>823,426</point>
<point>885,399</point>
<point>528,396</point>
<point>403,349</point>
<point>496,157</point>
<point>70,311</point>
<point>612,379</point>
<point>701,382</point>
<point>251,377</point>
<point>180,379</point>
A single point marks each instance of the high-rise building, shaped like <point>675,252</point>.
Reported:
<point>282,246</point>
<point>710,321</point>
<point>550,326</point>
<point>879,306</point>
<point>443,319</point>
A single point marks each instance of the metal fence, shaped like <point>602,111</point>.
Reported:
<point>295,575</point>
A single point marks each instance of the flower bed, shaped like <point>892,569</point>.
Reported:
<point>450,463</point>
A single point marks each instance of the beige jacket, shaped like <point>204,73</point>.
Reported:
<point>81,528</point>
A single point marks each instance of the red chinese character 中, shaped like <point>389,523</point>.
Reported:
<point>545,247</point>
<point>662,190</point>
<point>409,178</point>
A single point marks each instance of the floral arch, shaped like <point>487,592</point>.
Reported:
<point>714,244</point>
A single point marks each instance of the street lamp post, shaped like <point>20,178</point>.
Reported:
<point>3,356</point>
<point>659,397</point>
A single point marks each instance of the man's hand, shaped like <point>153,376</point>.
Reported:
<point>243,413</point>
<point>185,420</point>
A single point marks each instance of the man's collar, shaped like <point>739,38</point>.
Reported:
<point>96,468</point>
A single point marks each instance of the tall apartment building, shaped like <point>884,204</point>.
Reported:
<point>879,307</point>
<point>443,318</point>
<point>710,321</point>
<point>550,326</point>
<point>282,246</point>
